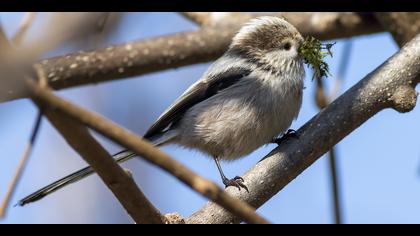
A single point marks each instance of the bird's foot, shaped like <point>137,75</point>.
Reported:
<point>235,182</point>
<point>289,134</point>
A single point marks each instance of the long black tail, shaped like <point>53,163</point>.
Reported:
<point>157,140</point>
<point>76,176</point>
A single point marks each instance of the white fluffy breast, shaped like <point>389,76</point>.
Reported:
<point>245,116</point>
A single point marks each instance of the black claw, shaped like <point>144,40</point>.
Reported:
<point>235,182</point>
<point>289,134</point>
<point>239,178</point>
<point>292,133</point>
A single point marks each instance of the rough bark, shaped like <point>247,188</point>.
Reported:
<point>391,85</point>
<point>402,25</point>
<point>89,148</point>
<point>181,49</point>
<point>118,181</point>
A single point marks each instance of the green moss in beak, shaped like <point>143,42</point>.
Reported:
<point>313,54</point>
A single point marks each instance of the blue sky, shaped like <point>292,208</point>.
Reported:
<point>379,163</point>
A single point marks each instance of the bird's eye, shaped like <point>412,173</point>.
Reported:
<point>287,46</point>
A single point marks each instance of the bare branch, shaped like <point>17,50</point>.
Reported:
<point>61,28</point>
<point>201,18</point>
<point>121,184</point>
<point>344,61</point>
<point>117,180</point>
<point>391,85</point>
<point>4,41</point>
<point>181,49</point>
<point>23,27</point>
<point>144,150</point>
<point>402,25</point>
<point>333,25</point>
<point>323,100</point>
<point>217,18</point>
<point>27,151</point>
<point>334,173</point>
<point>11,86</point>
<point>21,167</point>
<point>137,58</point>
<point>14,62</point>
<point>334,185</point>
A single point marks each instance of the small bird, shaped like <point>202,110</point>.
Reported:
<point>247,98</point>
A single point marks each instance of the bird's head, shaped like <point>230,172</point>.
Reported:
<point>268,40</point>
<point>272,42</point>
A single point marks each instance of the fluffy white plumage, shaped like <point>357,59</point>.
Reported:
<point>246,98</point>
<point>258,107</point>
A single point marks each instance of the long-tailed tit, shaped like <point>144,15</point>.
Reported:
<point>246,99</point>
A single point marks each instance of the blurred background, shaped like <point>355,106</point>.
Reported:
<point>378,164</point>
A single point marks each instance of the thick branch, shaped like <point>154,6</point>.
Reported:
<point>181,49</point>
<point>389,86</point>
<point>141,148</point>
<point>402,25</point>
<point>117,180</point>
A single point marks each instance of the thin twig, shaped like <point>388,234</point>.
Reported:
<point>21,166</point>
<point>103,21</point>
<point>116,178</point>
<point>28,149</point>
<point>323,100</point>
<point>147,151</point>
<point>335,186</point>
<point>201,18</point>
<point>4,41</point>
<point>24,25</point>
<point>342,69</point>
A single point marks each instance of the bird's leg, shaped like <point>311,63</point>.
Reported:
<point>236,182</point>
<point>289,134</point>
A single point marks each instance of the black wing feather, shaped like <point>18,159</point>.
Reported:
<point>194,95</point>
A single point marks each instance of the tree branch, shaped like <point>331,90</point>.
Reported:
<point>118,181</point>
<point>24,25</point>
<point>217,18</point>
<point>186,48</point>
<point>201,18</point>
<point>402,25</point>
<point>140,147</point>
<point>391,85</point>
<point>21,167</point>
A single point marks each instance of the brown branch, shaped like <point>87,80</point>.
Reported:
<point>4,41</point>
<point>217,18</point>
<point>117,180</point>
<point>61,28</point>
<point>186,48</point>
<point>6,49</point>
<point>141,148</point>
<point>21,167</point>
<point>391,85</point>
<point>402,25</point>
<point>334,185</point>
<point>201,18</point>
<point>24,25</point>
